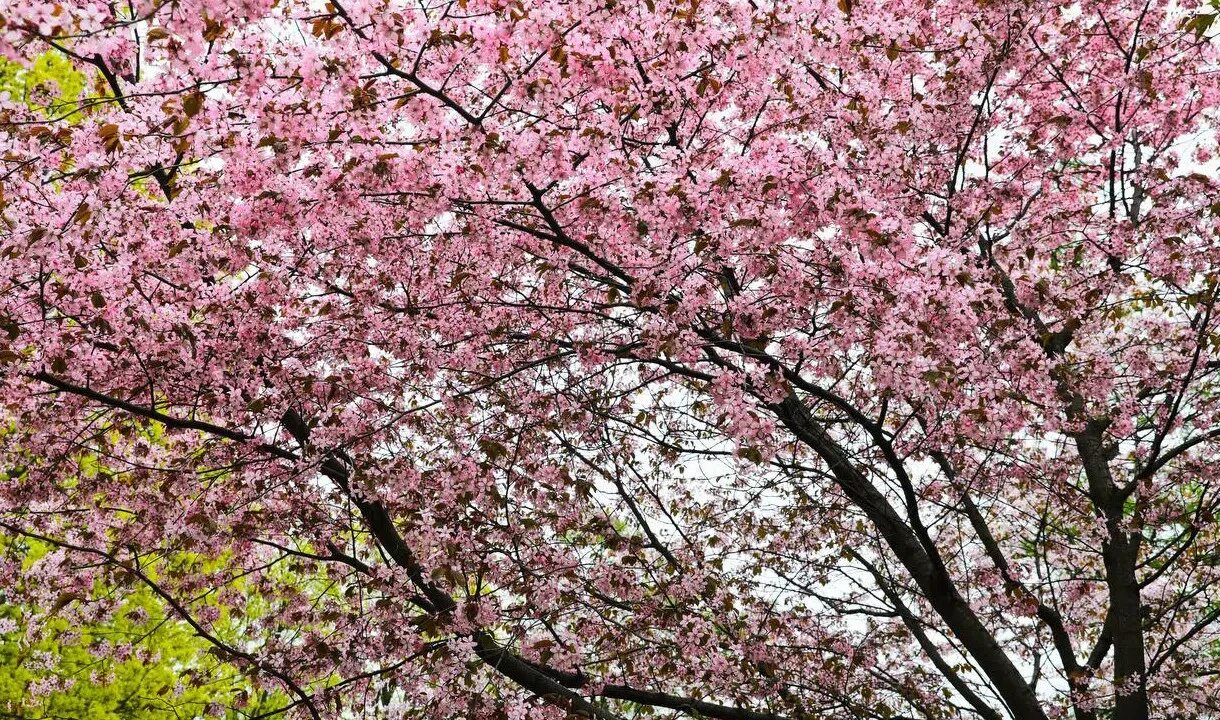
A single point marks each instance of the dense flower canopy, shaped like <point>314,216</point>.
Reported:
<point>738,359</point>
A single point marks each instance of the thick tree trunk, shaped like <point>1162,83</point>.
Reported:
<point>1129,663</point>
<point>1120,553</point>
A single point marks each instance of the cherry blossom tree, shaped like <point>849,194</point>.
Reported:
<point>604,359</point>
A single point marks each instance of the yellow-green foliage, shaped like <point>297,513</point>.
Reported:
<point>169,673</point>
<point>49,83</point>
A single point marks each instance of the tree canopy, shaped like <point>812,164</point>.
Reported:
<point>723,358</point>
